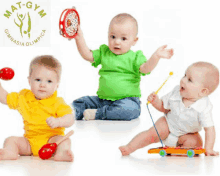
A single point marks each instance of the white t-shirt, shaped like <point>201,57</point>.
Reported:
<point>182,120</point>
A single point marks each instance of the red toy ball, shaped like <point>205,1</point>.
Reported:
<point>6,73</point>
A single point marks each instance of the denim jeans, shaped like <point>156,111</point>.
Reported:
<point>123,109</point>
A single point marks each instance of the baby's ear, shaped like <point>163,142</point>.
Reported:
<point>29,80</point>
<point>135,40</point>
<point>58,83</point>
<point>205,92</point>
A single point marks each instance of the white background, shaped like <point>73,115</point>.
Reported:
<point>191,28</point>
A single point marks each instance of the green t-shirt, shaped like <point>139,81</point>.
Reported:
<point>119,76</point>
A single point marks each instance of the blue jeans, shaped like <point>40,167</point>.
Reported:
<point>123,109</point>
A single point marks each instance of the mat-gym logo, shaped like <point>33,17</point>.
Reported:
<point>26,23</point>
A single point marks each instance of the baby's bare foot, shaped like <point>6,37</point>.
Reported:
<point>7,155</point>
<point>64,156</point>
<point>125,150</point>
<point>89,114</point>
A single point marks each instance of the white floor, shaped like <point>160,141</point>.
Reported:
<point>95,147</point>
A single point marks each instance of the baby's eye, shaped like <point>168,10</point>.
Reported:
<point>37,80</point>
<point>189,80</point>
<point>112,36</point>
<point>124,38</point>
<point>49,81</point>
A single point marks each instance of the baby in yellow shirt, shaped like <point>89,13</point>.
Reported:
<point>44,114</point>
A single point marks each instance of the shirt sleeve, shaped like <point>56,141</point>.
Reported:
<point>140,59</point>
<point>97,54</point>
<point>166,98</point>
<point>12,100</point>
<point>205,116</point>
<point>63,109</point>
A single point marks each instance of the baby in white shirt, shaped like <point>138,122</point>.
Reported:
<point>187,109</point>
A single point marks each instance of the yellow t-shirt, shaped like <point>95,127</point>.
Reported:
<point>35,112</point>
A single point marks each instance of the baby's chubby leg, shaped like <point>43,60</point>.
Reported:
<point>63,152</point>
<point>147,137</point>
<point>14,146</point>
<point>190,140</point>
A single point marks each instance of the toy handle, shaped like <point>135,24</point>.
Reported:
<point>65,137</point>
<point>157,91</point>
<point>171,73</point>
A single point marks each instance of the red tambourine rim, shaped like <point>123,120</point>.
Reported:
<point>60,19</point>
<point>62,22</point>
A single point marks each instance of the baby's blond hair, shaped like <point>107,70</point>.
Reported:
<point>211,75</point>
<point>47,61</point>
<point>123,17</point>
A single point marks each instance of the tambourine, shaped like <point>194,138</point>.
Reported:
<point>69,21</point>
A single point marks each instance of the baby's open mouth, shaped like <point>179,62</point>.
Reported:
<point>117,48</point>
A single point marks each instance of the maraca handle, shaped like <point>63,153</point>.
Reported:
<point>65,137</point>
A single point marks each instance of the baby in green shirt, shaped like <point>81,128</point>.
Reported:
<point>120,75</point>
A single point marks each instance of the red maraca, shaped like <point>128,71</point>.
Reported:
<point>48,149</point>
<point>6,73</point>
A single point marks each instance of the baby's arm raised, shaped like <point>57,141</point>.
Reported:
<point>3,95</point>
<point>65,121</point>
<point>83,49</point>
<point>161,52</point>
<point>209,141</point>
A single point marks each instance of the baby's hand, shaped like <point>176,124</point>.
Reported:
<point>210,152</point>
<point>53,122</point>
<point>162,52</point>
<point>79,32</point>
<point>153,98</point>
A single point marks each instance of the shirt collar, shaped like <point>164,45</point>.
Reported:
<point>199,105</point>
<point>47,101</point>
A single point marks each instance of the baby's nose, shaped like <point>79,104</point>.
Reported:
<point>117,41</point>
<point>42,84</point>
<point>183,80</point>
